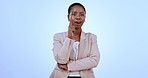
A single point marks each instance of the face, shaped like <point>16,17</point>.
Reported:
<point>77,16</point>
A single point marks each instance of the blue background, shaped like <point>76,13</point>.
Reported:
<point>27,28</point>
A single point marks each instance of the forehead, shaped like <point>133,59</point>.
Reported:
<point>77,8</point>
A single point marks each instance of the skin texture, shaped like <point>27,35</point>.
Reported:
<point>77,14</point>
<point>76,19</point>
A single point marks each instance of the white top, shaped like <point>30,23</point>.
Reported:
<point>75,48</point>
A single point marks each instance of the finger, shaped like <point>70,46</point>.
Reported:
<point>71,24</point>
<point>60,66</point>
<point>64,68</point>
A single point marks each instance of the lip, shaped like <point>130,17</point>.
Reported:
<point>78,22</point>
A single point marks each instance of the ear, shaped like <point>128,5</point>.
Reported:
<point>68,16</point>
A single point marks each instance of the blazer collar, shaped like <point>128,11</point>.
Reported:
<point>81,37</point>
<point>82,44</point>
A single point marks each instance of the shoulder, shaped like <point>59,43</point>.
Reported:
<point>90,35</point>
<point>59,34</point>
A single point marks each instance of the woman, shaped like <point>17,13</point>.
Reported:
<point>75,51</point>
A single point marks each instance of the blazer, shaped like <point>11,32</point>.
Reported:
<point>88,55</point>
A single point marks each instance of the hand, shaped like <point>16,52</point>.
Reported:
<point>63,66</point>
<point>73,32</point>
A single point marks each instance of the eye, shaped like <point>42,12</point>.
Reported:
<point>82,14</point>
<point>74,13</point>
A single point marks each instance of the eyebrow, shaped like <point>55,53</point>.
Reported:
<point>77,12</point>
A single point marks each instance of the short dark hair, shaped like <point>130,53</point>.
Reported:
<point>74,4</point>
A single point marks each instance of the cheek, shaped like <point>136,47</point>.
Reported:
<point>71,18</point>
<point>83,19</point>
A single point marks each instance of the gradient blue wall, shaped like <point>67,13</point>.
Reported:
<point>27,28</point>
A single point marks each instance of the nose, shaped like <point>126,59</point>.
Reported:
<point>78,18</point>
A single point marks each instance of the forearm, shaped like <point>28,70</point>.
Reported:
<point>83,64</point>
<point>62,51</point>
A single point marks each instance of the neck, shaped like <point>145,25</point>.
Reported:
<point>78,32</point>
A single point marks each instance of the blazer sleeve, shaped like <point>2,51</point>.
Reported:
<point>88,62</point>
<point>61,49</point>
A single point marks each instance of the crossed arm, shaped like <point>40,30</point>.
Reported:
<point>62,53</point>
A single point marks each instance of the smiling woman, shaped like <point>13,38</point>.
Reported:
<point>75,51</point>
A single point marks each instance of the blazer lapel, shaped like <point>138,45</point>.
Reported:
<point>82,45</point>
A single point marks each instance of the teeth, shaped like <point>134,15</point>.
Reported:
<point>78,22</point>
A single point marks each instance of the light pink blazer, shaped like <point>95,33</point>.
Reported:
<point>88,55</point>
